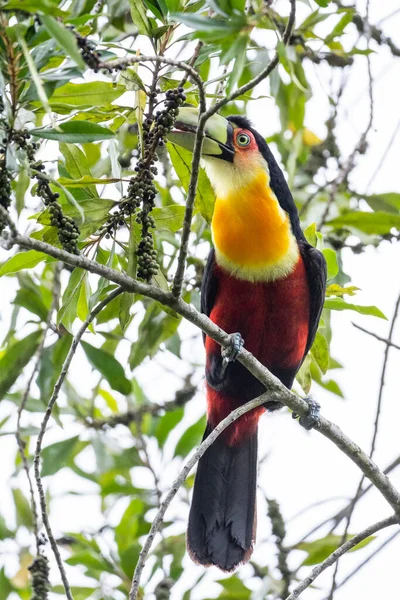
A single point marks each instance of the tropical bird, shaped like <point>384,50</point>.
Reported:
<point>265,285</point>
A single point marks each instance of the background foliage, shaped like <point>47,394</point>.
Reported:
<point>85,123</point>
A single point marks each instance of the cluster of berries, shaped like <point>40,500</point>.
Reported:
<point>89,52</point>
<point>68,231</point>
<point>5,185</point>
<point>40,578</point>
<point>141,190</point>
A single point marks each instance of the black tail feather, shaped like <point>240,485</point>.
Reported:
<point>221,528</point>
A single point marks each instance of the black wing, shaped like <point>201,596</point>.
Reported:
<point>209,286</point>
<point>315,264</point>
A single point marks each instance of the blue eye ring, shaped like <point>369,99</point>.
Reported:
<point>243,139</point>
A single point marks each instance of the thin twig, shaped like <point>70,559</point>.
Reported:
<point>359,148</point>
<point>377,337</point>
<point>21,408</point>
<point>384,156</point>
<point>339,516</point>
<point>158,519</point>
<point>370,557</point>
<point>182,396</point>
<point>374,437</point>
<point>42,432</point>
<point>334,557</point>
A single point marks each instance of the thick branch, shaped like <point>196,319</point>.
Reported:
<point>333,558</point>
<point>276,389</point>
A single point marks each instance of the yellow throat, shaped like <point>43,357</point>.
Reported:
<point>251,232</point>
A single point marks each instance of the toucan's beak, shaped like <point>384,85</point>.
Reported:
<point>218,134</point>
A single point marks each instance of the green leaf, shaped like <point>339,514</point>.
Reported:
<point>182,163</point>
<point>320,549</point>
<point>156,327</point>
<point>15,359</point>
<point>340,304</point>
<point>68,310</point>
<point>95,93</point>
<point>389,202</point>
<point>340,26</point>
<point>190,438</point>
<point>169,217</point>
<point>77,166</point>
<point>166,424</point>
<point>378,223</point>
<point>23,509</point>
<point>5,586</point>
<point>323,3</point>
<point>109,367</point>
<point>79,593</point>
<point>139,17</point>
<point>56,456</point>
<point>337,290</point>
<point>22,260</point>
<point>304,374</point>
<point>240,61</point>
<point>75,132</point>
<point>86,180</point>
<point>320,352</point>
<point>33,6</point>
<point>65,38</point>
<point>331,262</point>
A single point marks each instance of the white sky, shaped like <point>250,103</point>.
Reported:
<point>302,467</point>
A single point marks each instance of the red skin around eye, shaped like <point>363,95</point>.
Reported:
<point>252,147</point>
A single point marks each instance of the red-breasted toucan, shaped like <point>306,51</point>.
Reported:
<point>265,285</point>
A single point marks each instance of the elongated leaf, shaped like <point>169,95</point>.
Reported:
<point>377,222</point>
<point>340,304</point>
<point>95,93</point>
<point>68,311</point>
<point>190,438</point>
<point>65,38</point>
<point>320,352</point>
<point>32,6</point>
<point>169,217</point>
<point>22,260</point>
<point>56,456</point>
<point>331,262</point>
<point>320,549</point>
<point>86,180</point>
<point>139,17</point>
<point>389,202</point>
<point>15,360</point>
<point>109,367</point>
<point>75,132</point>
<point>155,328</point>
<point>77,165</point>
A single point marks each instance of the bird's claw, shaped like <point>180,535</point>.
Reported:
<point>231,352</point>
<point>311,419</point>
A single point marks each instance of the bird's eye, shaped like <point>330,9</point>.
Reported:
<point>243,139</point>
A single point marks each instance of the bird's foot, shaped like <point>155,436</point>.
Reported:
<point>311,419</point>
<point>231,352</point>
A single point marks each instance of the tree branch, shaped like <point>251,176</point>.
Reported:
<point>158,519</point>
<point>334,557</point>
<point>275,388</point>
<point>42,432</point>
<point>386,341</point>
<point>182,396</point>
<point>20,441</point>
